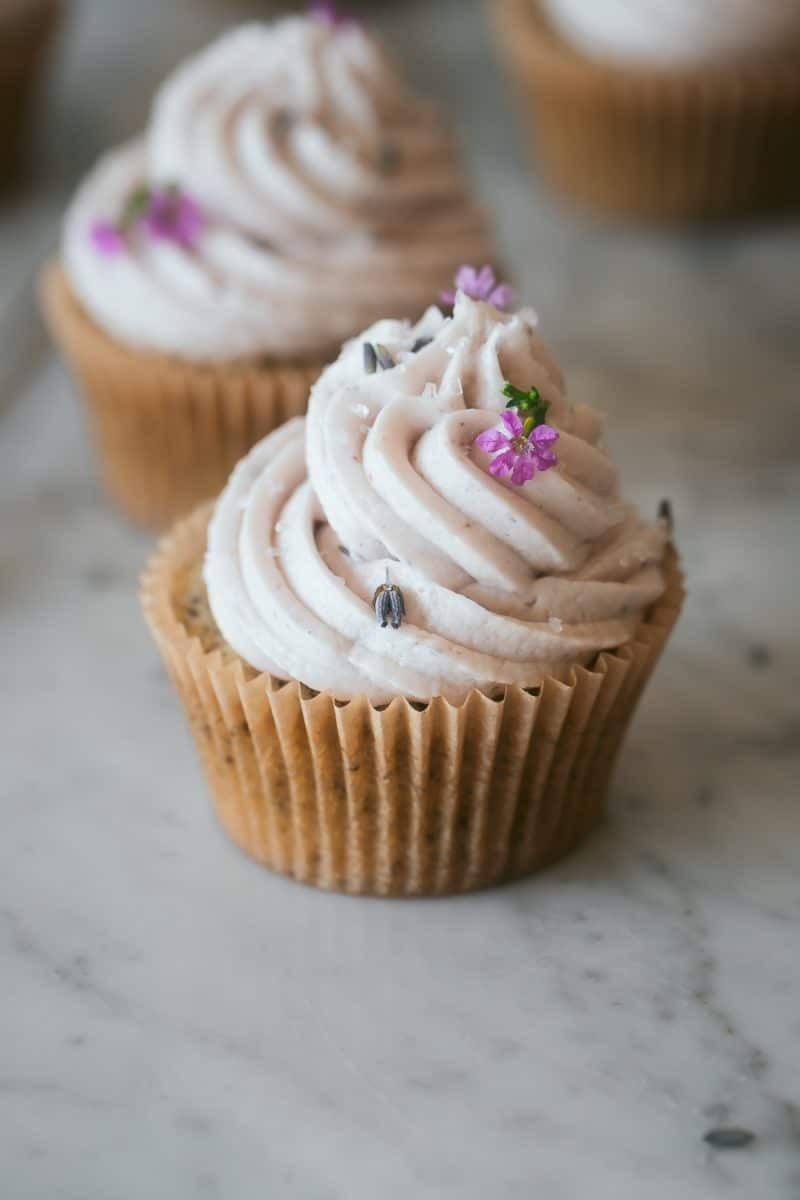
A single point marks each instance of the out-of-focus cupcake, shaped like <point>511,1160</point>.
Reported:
<point>26,28</point>
<point>288,190</point>
<point>410,639</point>
<point>661,108</point>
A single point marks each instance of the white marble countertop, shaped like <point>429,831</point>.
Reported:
<point>177,1023</point>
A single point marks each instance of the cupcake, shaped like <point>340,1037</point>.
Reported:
<point>665,109</point>
<point>287,192</point>
<point>674,33</point>
<point>26,28</point>
<point>411,633</point>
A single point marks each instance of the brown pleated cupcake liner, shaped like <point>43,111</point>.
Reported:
<point>407,799</point>
<point>167,433</point>
<point>25,35</point>
<point>690,143</point>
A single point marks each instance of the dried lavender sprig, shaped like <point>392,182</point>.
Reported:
<point>397,606</point>
<point>370,358</point>
<point>381,605</point>
<point>389,605</point>
<point>385,358</point>
<point>728,1138</point>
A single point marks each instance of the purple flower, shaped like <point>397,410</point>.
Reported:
<point>521,450</point>
<point>326,10</point>
<point>166,214</point>
<point>106,238</point>
<point>480,285</point>
<point>173,216</point>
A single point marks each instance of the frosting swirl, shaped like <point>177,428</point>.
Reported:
<point>502,583</point>
<point>329,194</point>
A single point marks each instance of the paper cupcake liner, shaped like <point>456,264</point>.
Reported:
<point>24,37</point>
<point>167,433</point>
<point>697,142</point>
<point>407,799</point>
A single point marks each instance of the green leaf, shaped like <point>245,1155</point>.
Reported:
<point>136,205</point>
<point>529,402</point>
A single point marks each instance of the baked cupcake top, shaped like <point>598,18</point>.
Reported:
<point>288,191</point>
<point>415,536</point>
<point>673,33</point>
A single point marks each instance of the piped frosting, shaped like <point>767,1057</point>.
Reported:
<point>383,482</point>
<point>328,196</point>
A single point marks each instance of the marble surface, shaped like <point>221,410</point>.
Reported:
<point>177,1023</point>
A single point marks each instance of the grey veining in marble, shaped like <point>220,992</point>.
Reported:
<point>176,1023</point>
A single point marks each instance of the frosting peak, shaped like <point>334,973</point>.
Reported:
<point>330,194</point>
<point>502,581</point>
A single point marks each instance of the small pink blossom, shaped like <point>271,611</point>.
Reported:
<point>480,285</point>
<point>165,214</point>
<point>106,238</point>
<point>173,216</point>
<point>520,451</point>
<point>326,10</point>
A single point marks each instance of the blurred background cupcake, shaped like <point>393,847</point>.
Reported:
<point>288,190</point>
<point>661,108</point>
<point>26,29</point>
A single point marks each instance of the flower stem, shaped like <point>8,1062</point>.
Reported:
<point>529,402</point>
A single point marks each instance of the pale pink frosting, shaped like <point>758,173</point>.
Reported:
<point>332,196</point>
<point>672,33</point>
<point>502,584</point>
